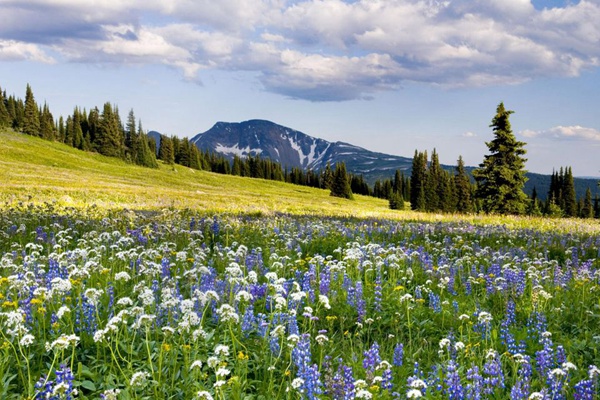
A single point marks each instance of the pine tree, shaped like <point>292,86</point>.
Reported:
<point>78,141</point>
<point>144,155</point>
<point>396,201</point>
<point>501,176</point>
<point>587,210</point>
<point>109,138</point>
<point>462,183</point>
<point>5,120</point>
<point>165,151</point>
<point>568,191</point>
<point>418,180</point>
<point>327,178</point>
<point>47,126</point>
<point>31,117</point>
<point>341,185</point>
<point>434,184</point>
<point>132,141</point>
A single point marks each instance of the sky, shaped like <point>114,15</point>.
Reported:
<point>392,76</point>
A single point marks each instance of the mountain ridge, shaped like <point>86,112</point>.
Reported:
<point>295,149</point>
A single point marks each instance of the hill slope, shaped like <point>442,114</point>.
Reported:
<point>37,171</point>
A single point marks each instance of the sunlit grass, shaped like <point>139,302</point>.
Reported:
<point>36,171</point>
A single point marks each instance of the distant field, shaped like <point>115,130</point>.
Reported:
<point>36,171</point>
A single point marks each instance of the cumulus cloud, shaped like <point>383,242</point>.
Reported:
<point>313,49</point>
<point>571,133</point>
<point>11,50</point>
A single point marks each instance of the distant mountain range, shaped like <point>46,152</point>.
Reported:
<point>292,148</point>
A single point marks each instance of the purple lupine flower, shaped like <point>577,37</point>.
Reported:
<point>434,303</point>
<point>398,355</point>
<point>584,390</point>
<point>556,382</point>
<point>386,380</point>
<point>492,369</point>
<point>522,387</point>
<point>360,302</point>
<point>378,295</point>
<point>454,388</point>
<point>475,386</point>
<point>371,358</point>
<point>325,281</point>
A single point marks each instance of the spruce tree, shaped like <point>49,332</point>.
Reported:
<point>327,178</point>
<point>109,138</point>
<point>568,192</point>
<point>145,156</point>
<point>165,151</point>
<point>501,176</point>
<point>418,180</point>
<point>5,120</point>
<point>31,117</point>
<point>462,183</point>
<point>132,142</point>
<point>587,210</point>
<point>340,186</point>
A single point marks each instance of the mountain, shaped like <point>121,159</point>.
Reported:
<point>292,148</point>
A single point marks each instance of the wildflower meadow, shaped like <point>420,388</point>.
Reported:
<point>179,305</point>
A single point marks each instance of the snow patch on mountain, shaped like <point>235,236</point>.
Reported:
<point>236,150</point>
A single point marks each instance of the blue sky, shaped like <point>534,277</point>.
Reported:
<point>388,75</point>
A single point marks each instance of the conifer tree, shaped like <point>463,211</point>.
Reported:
<point>501,176</point>
<point>132,142</point>
<point>327,179</point>
<point>78,142</point>
<point>165,151</point>
<point>109,139</point>
<point>568,191</point>
<point>418,180</point>
<point>340,186</point>
<point>462,184</point>
<point>145,156</point>
<point>61,129</point>
<point>31,117</point>
<point>587,209</point>
<point>47,123</point>
<point>5,120</point>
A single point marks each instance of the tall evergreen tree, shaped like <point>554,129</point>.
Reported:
<point>501,176</point>
<point>5,120</point>
<point>144,155</point>
<point>31,117</point>
<point>47,127</point>
<point>587,210</point>
<point>569,200</point>
<point>166,152</point>
<point>433,184</point>
<point>418,180</point>
<point>132,141</point>
<point>109,139</point>
<point>341,184</point>
<point>327,178</point>
<point>462,183</point>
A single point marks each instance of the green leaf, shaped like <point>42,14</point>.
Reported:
<point>89,385</point>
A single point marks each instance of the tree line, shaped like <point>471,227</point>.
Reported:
<point>99,131</point>
<point>496,187</point>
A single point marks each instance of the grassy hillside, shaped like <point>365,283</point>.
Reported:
<point>36,171</point>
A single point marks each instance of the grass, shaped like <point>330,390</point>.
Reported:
<point>35,171</point>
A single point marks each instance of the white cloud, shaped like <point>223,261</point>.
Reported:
<point>574,132</point>
<point>11,50</point>
<point>316,49</point>
<point>469,134</point>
